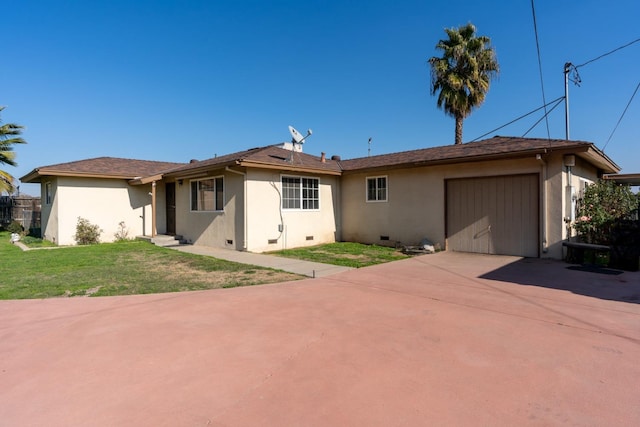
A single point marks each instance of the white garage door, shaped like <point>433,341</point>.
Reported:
<point>494,215</point>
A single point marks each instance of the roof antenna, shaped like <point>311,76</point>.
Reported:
<point>297,140</point>
<point>369,153</point>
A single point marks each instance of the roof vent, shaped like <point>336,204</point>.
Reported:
<point>193,161</point>
<point>336,158</point>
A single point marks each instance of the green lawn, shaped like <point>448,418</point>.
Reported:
<point>132,267</point>
<point>345,254</point>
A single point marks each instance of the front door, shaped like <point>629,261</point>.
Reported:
<point>170,191</point>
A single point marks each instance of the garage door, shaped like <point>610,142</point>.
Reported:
<point>493,215</point>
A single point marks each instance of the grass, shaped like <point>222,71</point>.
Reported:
<point>346,254</point>
<point>35,242</point>
<point>125,268</point>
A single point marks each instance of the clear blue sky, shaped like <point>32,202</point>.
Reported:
<point>181,80</point>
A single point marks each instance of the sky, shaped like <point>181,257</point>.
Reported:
<point>180,80</point>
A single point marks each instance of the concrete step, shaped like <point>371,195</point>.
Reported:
<point>164,240</point>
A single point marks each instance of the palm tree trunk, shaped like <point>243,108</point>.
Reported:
<point>459,129</point>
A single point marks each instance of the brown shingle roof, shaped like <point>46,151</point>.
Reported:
<point>493,148</point>
<point>270,157</point>
<point>102,167</point>
<point>273,156</point>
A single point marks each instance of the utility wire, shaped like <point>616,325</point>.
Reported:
<point>545,116</point>
<point>544,101</point>
<point>620,119</point>
<point>519,118</point>
<point>608,53</point>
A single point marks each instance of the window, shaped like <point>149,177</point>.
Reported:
<point>207,194</point>
<point>377,189</point>
<point>300,193</point>
<point>48,195</point>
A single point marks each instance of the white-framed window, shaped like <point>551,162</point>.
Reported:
<point>377,189</point>
<point>48,193</point>
<point>300,193</point>
<point>207,195</point>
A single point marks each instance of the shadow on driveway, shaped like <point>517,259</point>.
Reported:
<point>603,283</point>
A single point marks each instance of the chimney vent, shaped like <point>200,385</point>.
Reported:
<point>323,157</point>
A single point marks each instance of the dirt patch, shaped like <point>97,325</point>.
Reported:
<point>217,279</point>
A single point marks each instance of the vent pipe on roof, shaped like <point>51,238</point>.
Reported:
<point>336,158</point>
<point>323,157</point>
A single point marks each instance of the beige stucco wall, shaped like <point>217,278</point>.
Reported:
<point>49,211</point>
<point>416,201</point>
<point>263,214</point>
<point>574,180</point>
<point>217,229</point>
<point>104,202</point>
<point>299,227</point>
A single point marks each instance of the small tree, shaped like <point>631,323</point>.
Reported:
<point>602,205</point>
<point>86,233</point>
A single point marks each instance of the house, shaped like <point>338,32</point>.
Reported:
<point>98,190</point>
<point>503,195</point>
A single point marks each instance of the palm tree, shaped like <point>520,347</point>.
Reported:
<point>8,137</point>
<point>461,77</point>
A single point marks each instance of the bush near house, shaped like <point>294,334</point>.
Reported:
<point>607,214</point>
<point>86,233</point>
<point>15,227</point>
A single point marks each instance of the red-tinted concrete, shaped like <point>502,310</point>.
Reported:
<point>446,339</point>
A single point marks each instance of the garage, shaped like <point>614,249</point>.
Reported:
<point>494,215</point>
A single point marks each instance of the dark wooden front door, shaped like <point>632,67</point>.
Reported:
<point>170,191</point>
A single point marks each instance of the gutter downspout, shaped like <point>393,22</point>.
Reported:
<point>544,203</point>
<point>244,201</point>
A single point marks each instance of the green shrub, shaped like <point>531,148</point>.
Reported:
<point>603,204</point>
<point>15,227</point>
<point>87,233</point>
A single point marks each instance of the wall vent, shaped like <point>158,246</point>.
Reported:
<point>309,237</point>
<point>273,241</point>
<point>384,237</point>
<point>229,242</point>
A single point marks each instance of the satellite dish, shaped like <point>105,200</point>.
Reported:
<point>297,136</point>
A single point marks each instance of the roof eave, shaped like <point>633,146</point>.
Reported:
<point>601,160</point>
<point>288,167</point>
<point>32,177</point>
<point>37,174</point>
<point>146,179</point>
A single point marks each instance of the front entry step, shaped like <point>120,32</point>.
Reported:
<point>164,240</point>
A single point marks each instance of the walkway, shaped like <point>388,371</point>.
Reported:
<point>305,268</point>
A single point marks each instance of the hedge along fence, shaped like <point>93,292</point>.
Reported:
<point>607,214</point>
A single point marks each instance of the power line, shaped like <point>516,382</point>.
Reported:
<point>620,119</point>
<point>608,53</point>
<point>519,118</point>
<point>544,101</point>
<point>559,100</point>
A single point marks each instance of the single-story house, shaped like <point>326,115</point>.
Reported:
<point>503,195</point>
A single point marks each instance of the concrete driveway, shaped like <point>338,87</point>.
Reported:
<point>445,339</point>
